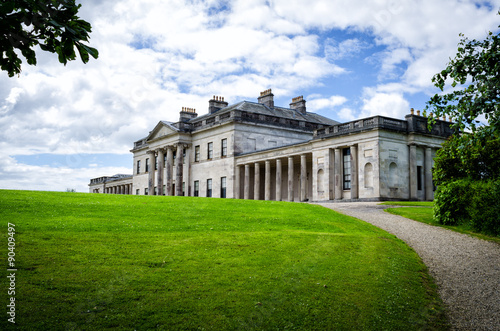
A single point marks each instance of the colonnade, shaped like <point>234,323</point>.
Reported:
<point>163,175</point>
<point>302,182</point>
<point>118,189</point>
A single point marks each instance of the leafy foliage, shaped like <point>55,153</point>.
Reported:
<point>469,202</point>
<point>51,24</point>
<point>466,156</point>
<point>476,67</point>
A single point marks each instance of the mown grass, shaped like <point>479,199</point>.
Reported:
<point>422,211</point>
<point>99,262</point>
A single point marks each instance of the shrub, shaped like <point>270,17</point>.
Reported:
<point>451,200</point>
<point>465,201</point>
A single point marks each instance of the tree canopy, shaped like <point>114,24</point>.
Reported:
<point>51,24</point>
<point>476,67</point>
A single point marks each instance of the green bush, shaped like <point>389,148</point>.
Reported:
<point>484,209</point>
<point>451,200</point>
<point>474,203</point>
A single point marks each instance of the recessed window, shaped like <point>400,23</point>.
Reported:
<point>197,153</point>
<point>347,168</point>
<point>138,167</point>
<point>419,178</point>
<point>137,192</point>
<point>196,188</point>
<point>223,187</point>
<point>156,162</point>
<point>209,188</point>
<point>146,191</point>
<point>224,147</point>
<point>147,165</point>
<point>210,151</point>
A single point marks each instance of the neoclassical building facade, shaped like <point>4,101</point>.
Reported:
<point>256,150</point>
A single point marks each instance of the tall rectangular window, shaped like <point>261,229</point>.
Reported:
<point>156,162</point>
<point>209,188</point>
<point>224,147</point>
<point>197,153</point>
<point>138,167</point>
<point>419,178</point>
<point>147,165</point>
<point>137,191</point>
<point>196,188</point>
<point>346,153</point>
<point>210,150</point>
<point>223,187</point>
<point>146,191</point>
<point>183,189</point>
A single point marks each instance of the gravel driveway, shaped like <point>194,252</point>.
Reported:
<point>465,269</point>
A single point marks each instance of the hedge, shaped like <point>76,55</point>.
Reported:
<point>468,202</point>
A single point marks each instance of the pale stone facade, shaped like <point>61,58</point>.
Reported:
<point>258,151</point>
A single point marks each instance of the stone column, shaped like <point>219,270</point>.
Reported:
<point>429,189</point>
<point>354,172</point>
<point>413,172</point>
<point>151,180</point>
<point>161,158</point>
<point>338,174</point>
<point>178,170</point>
<point>290,178</point>
<point>278,180</point>
<point>187,172</point>
<point>303,177</point>
<point>168,166</point>
<point>256,187</point>
<point>236,182</point>
<point>246,185</point>
<point>267,188</point>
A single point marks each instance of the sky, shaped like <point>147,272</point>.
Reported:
<point>62,125</point>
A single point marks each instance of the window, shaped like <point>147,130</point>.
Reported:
<point>347,168</point>
<point>156,191</point>
<point>419,178</point>
<point>223,187</point>
<point>138,166</point>
<point>147,165</point>
<point>146,191</point>
<point>183,189</point>
<point>137,192</point>
<point>164,189</point>
<point>156,162</point>
<point>209,187</point>
<point>210,153</point>
<point>183,156</point>
<point>197,153</point>
<point>196,188</point>
<point>224,147</point>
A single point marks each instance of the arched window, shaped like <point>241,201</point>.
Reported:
<point>393,175</point>
<point>368,175</point>
<point>321,177</point>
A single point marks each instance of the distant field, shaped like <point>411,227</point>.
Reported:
<point>97,262</point>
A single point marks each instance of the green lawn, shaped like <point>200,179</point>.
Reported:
<point>97,262</point>
<point>422,211</point>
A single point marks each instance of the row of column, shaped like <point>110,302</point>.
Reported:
<point>119,189</point>
<point>167,169</point>
<point>333,179</point>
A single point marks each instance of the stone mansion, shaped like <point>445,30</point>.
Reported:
<point>256,150</point>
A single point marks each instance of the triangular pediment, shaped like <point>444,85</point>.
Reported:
<point>162,129</point>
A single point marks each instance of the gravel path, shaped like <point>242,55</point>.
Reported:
<point>465,269</point>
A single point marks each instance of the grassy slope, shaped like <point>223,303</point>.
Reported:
<point>133,262</point>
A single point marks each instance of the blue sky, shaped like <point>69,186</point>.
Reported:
<point>62,125</point>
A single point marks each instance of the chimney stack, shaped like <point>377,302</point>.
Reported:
<point>187,114</point>
<point>217,103</point>
<point>299,104</point>
<point>266,98</point>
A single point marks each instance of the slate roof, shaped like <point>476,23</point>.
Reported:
<point>257,108</point>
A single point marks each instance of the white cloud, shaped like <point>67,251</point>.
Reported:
<point>391,104</point>
<point>60,177</point>
<point>159,56</point>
